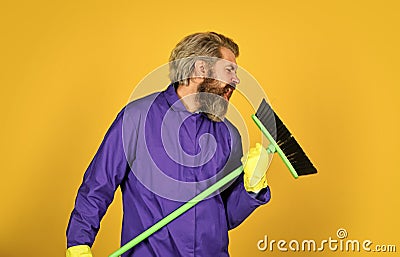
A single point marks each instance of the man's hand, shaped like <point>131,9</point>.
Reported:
<point>255,164</point>
<point>79,251</point>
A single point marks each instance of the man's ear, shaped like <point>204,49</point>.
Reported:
<point>200,69</point>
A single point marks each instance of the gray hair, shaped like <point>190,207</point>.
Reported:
<point>197,46</point>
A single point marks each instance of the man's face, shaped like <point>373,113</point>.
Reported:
<point>217,89</point>
<point>225,71</point>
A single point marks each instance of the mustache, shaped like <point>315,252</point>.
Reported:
<point>213,86</point>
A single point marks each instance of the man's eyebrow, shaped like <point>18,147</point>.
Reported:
<point>233,66</point>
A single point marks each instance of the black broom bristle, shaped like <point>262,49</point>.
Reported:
<point>285,140</point>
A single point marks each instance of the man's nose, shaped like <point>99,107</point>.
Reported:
<point>235,80</point>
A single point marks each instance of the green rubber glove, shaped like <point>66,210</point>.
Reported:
<point>255,164</point>
<point>79,251</point>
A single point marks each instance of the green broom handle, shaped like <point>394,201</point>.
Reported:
<point>275,145</point>
<point>173,215</point>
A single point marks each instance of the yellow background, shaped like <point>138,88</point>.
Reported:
<point>330,69</point>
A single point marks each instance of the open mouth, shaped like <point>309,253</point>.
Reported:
<point>228,90</point>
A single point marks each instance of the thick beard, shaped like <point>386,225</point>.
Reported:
<point>211,100</point>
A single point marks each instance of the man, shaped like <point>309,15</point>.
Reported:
<point>164,149</point>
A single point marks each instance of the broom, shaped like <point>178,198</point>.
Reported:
<point>285,144</point>
<point>295,159</point>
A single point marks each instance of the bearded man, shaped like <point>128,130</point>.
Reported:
<point>164,149</point>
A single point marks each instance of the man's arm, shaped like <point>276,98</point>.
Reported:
<point>239,203</point>
<point>104,174</point>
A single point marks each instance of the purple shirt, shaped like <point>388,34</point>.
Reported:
<point>161,155</point>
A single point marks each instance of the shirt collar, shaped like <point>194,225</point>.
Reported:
<point>173,100</point>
